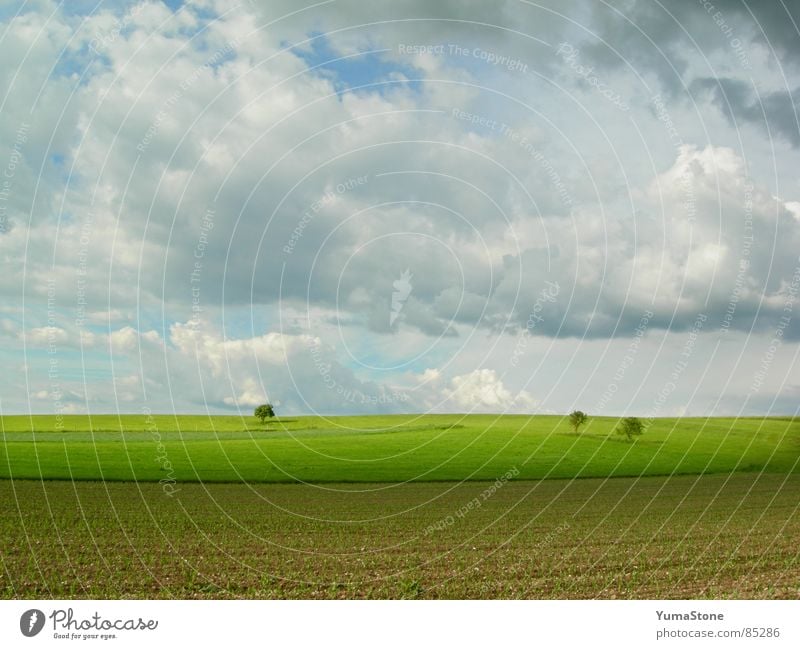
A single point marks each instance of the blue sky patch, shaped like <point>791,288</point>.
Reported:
<point>349,73</point>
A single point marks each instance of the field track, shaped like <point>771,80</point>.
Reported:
<point>682,537</point>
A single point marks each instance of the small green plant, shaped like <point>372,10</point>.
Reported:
<point>630,427</point>
<point>264,411</point>
<point>577,418</point>
<point>412,589</point>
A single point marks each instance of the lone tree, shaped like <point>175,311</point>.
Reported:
<point>577,418</point>
<point>264,412</point>
<point>629,427</point>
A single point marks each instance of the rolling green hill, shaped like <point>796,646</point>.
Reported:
<point>384,448</point>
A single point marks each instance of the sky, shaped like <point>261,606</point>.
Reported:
<point>388,207</point>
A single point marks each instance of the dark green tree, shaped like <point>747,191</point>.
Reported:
<point>630,427</point>
<point>577,418</point>
<point>264,412</point>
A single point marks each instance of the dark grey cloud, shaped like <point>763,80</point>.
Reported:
<point>775,112</point>
<point>672,40</point>
<point>775,24</point>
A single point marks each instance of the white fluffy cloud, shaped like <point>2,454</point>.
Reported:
<point>200,367</point>
<point>483,391</point>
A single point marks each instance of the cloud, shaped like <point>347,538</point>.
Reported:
<point>128,339</point>
<point>42,336</point>
<point>483,391</point>
<point>197,365</point>
<point>220,162</point>
<point>199,340</point>
<point>251,396</point>
<point>774,112</point>
<point>227,191</point>
<point>52,337</point>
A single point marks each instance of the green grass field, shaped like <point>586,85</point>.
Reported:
<point>401,506</point>
<point>385,449</point>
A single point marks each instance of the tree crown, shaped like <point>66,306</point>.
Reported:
<point>577,418</point>
<point>264,411</point>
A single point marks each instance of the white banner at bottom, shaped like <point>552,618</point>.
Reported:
<point>389,624</point>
